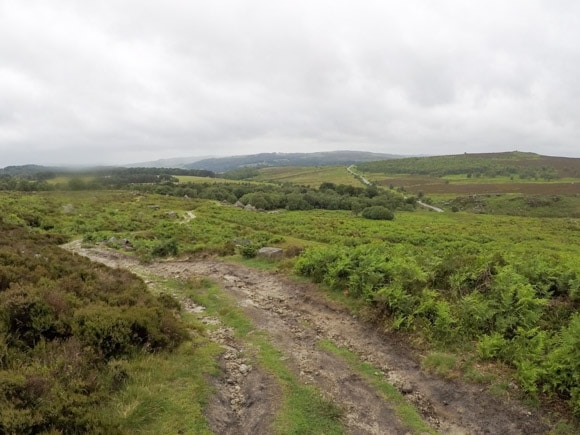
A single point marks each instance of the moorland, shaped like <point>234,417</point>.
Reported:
<point>475,305</point>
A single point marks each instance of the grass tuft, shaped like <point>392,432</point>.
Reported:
<point>166,393</point>
<point>443,364</point>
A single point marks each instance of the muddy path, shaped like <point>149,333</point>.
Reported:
<point>297,316</point>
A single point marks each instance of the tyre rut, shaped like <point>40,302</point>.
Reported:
<point>297,316</point>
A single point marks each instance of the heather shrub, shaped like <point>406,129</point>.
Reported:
<point>66,326</point>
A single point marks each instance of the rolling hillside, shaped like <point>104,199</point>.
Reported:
<point>523,165</point>
<point>332,158</point>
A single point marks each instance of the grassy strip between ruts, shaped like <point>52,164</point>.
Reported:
<point>303,409</point>
<point>407,412</point>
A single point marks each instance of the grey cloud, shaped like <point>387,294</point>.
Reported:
<point>129,80</point>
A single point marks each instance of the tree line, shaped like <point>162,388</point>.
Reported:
<point>328,196</point>
<point>34,178</point>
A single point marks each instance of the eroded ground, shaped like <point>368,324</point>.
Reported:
<point>297,316</point>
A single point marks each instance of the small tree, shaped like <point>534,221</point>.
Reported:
<point>378,212</point>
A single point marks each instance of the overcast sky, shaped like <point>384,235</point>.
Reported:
<point>113,82</point>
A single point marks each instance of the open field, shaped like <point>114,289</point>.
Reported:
<point>521,184</point>
<point>478,174</point>
<point>217,180</point>
<point>500,292</point>
<point>310,176</point>
<point>516,164</point>
<point>124,213</point>
<point>465,186</point>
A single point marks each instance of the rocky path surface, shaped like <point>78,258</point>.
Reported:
<point>297,316</point>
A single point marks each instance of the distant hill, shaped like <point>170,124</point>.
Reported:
<point>26,170</point>
<point>524,165</point>
<point>177,162</point>
<point>330,158</point>
<point>35,172</point>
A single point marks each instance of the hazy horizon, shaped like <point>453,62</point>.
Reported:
<point>114,83</point>
<point>192,159</point>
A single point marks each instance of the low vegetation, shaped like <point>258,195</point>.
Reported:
<point>518,184</point>
<point>520,311</point>
<point>496,282</point>
<point>306,176</point>
<point>511,164</point>
<point>378,213</point>
<point>67,329</point>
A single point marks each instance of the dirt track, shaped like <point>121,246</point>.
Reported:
<point>297,316</point>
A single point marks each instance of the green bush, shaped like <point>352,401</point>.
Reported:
<point>27,318</point>
<point>464,297</point>
<point>249,251</point>
<point>314,262</point>
<point>475,315</point>
<point>515,302</point>
<point>491,346</point>
<point>563,364</point>
<point>114,332</point>
<point>394,300</point>
<point>378,212</point>
<point>169,302</point>
<point>165,248</point>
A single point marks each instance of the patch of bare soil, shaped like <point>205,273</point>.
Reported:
<point>245,401</point>
<point>297,316</point>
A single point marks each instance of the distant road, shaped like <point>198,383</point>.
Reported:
<point>368,183</point>
<point>430,207</point>
<point>360,177</point>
